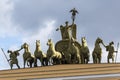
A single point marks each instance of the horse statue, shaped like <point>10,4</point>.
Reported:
<point>13,58</point>
<point>74,52</point>
<point>40,55</point>
<point>97,52</point>
<point>84,51</point>
<point>27,57</point>
<point>53,54</point>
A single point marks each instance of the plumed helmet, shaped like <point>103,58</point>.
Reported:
<point>111,42</point>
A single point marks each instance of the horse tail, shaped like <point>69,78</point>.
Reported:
<point>28,63</point>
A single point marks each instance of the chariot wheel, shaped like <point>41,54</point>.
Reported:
<point>63,45</point>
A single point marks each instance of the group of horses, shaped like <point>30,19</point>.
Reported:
<point>72,55</point>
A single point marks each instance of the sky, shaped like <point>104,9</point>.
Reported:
<point>30,20</point>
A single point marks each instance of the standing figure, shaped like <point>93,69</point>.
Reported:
<point>13,58</point>
<point>73,11</point>
<point>65,31</point>
<point>110,49</point>
<point>68,31</point>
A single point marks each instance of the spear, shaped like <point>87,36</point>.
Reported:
<point>5,56</point>
<point>117,51</point>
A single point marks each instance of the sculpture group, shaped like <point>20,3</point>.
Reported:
<point>66,51</point>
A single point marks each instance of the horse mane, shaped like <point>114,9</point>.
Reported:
<point>51,47</point>
<point>85,42</point>
<point>38,48</point>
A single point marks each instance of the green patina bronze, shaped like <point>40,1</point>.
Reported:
<point>27,57</point>
<point>52,54</point>
<point>111,50</point>
<point>97,52</point>
<point>38,53</point>
<point>13,58</point>
<point>85,54</point>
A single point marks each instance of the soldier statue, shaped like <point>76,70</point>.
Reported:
<point>110,49</point>
<point>73,11</point>
<point>13,58</point>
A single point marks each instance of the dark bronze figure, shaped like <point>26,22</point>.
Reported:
<point>65,31</point>
<point>13,58</point>
<point>73,11</point>
<point>111,50</point>
<point>68,31</point>
<point>97,52</point>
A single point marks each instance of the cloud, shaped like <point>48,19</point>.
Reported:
<point>44,32</point>
<point>6,26</point>
<point>28,20</point>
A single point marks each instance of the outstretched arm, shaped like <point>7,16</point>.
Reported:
<point>59,28</point>
<point>70,10</point>
<point>104,45</point>
<point>77,12</point>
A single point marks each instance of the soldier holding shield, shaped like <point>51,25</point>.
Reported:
<point>111,50</point>
<point>13,58</point>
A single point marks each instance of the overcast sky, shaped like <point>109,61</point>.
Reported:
<point>29,20</point>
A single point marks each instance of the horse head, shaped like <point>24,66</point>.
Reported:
<point>49,43</point>
<point>37,43</point>
<point>84,42</point>
<point>24,46</point>
<point>99,40</point>
<point>83,39</point>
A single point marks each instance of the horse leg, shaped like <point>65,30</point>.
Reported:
<point>68,59</point>
<point>100,59</point>
<point>112,59</point>
<point>30,64</point>
<point>93,58</point>
<point>85,61</point>
<point>108,59</point>
<point>53,59</point>
<point>42,62</point>
<point>82,59</point>
<point>46,62</point>
<point>35,62</point>
<point>96,58</point>
<point>18,66</point>
<point>11,64</point>
<point>78,60</point>
<point>88,56</point>
<point>24,63</point>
